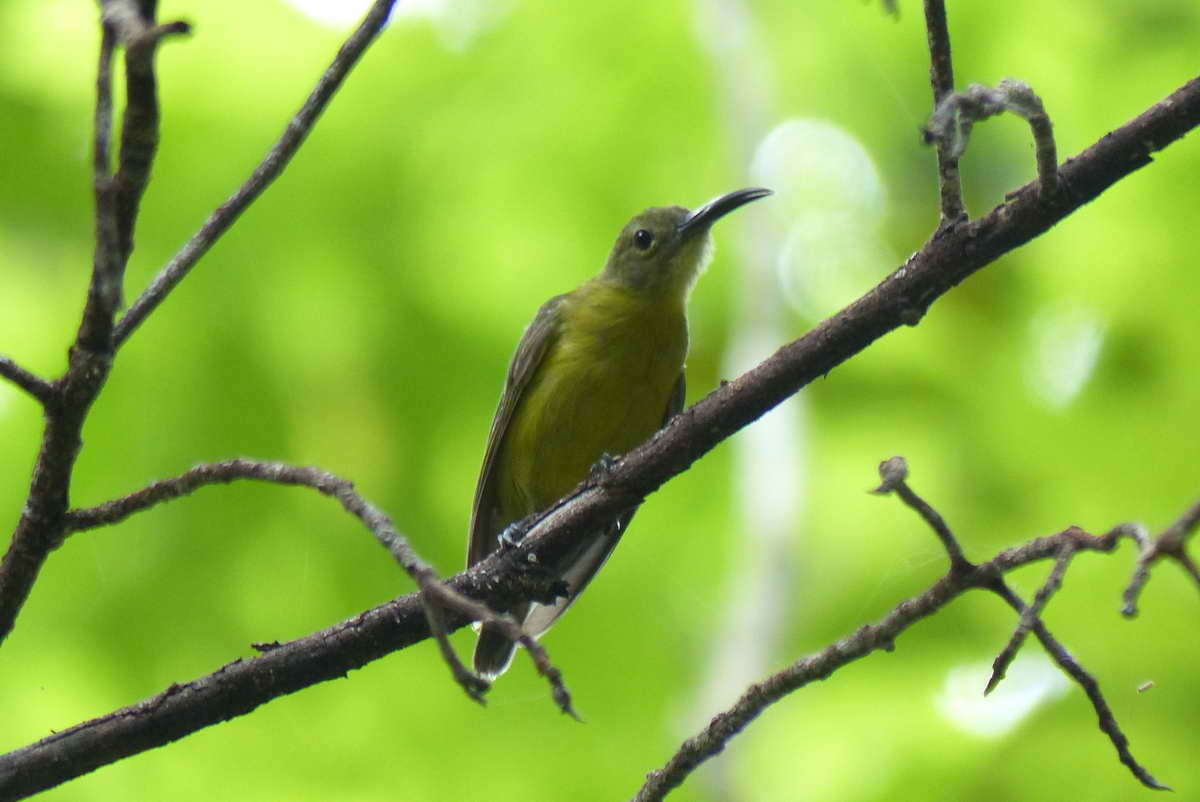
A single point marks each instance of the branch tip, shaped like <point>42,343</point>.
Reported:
<point>37,387</point>
<point>893,472</point>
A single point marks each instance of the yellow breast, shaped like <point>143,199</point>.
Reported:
<point>603,387</point>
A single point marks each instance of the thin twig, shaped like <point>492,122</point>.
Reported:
<point>881,636</point>
<point>1030,617</point>
<point>41,527</point>
<point>894,472</point>
<point>941,79</point>
<point>1064,660</point>
<point>1170,544</point>
<point>953,119</point>
<point>36,386</point>
<point>1178,532</point>
<point>434,593</point>
<point>118,196</point>
<point>267,171</point>
<point>139,133</point>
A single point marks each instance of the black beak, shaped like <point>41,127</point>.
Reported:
<point>717,208</point>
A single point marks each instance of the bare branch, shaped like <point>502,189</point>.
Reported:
<point>987,576</point>
<point>36,386</point>
<point>41,527</point>
<point>434,594</point>
<point>118,196</point>
<point>894,472</point>
<point>1107,722</point>
<point>1170,544</point>
<point>494,583</point>
<point>267,171</point>
<point>941,79</point>
<point>233,690</point>
<point>954,117</point>
<point>1029,618</point>
<point>242,685</point>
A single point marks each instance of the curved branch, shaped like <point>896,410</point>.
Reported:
<point>435,595</point>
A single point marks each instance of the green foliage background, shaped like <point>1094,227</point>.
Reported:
<point>360,318</point>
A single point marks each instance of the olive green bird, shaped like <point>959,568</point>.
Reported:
<point>597,372</point>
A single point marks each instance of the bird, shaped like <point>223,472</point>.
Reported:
<point>597,372</point>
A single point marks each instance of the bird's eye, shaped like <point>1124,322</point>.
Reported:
<point>642,239</point>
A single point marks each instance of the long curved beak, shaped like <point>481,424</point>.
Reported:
<point>717,208</point>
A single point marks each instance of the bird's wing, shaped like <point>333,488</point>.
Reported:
<point>543,332</point>
<point>582,566</point>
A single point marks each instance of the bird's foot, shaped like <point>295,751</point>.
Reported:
<point>603,467</point>
<point>515,532</point>
<point>511,537</point>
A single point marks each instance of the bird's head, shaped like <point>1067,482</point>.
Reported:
<point>663,250</point>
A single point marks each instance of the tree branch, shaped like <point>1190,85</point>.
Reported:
<point>957,113</point>
<point>435,596</point>
<point>894,472</point>
<point>953,254</point>
<point>1029,618</point>
<point>263,176</point>
<point>1171,544</point>
<point>961,577</point>
<point>233,690</point>
<point>36,386</point>
<point>41,527</point>
<point>941,79</point>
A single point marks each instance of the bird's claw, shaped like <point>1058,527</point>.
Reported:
<point>512,536</point>
<point>604,466</point>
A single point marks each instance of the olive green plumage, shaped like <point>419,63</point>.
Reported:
<point>597,372</point>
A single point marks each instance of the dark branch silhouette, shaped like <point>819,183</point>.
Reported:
<point>958,249</point>
<point>435,595</point>
<point>941,79</point>
<point>961,577</point>
<point>67,401</point>
<point>36,386</point>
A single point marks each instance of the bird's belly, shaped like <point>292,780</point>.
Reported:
<point>592,396</point>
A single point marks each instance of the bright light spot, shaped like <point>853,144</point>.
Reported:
<point>830,196</point>
<point>1066,346</point>
<point>814,167</point>
<point>458,22</point>
<point>1029,683</point>
<point>334,13</point>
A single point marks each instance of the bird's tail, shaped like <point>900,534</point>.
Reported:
<point>493,653</point>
